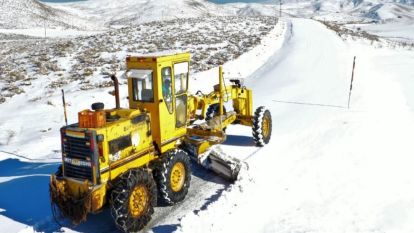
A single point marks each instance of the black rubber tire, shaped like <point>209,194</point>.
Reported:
<point>98,106</point>
<point>59,171</point>
<point>120,200</point>
<point>214,110</point>
<point>258,136</point>
<point>162,175</point>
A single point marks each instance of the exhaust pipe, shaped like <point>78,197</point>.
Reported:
<point>116,85</point>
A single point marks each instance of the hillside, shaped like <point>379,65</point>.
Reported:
<point>141,11</point>
<point>33,14</point>
<point>362,10</point>
<point>87,60</point>
<point>99,14</point>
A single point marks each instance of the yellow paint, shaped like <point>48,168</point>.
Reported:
<point>138,201</point>
<point>163,123</point>
<point>177,177</point>
<point>221,90</point>
<point>266,126</point>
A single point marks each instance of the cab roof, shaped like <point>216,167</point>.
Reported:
<point>160,56</point>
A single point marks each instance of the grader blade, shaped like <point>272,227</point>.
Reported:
<point>224,165</point>
<point>207,152</point>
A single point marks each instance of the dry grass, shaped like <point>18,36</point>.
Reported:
<point>86,60</point>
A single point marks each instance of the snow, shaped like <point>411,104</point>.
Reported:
<point>50,32</point>
<point>132,11</point>
<point>93,16</point>
<point>26,14</point>
<point>251,61</point>
<point>326,169</point>
<point>395,31</point>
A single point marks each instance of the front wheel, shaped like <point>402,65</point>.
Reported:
<point>262,126</point>
<point>214,110</point>
<point>133,200</point>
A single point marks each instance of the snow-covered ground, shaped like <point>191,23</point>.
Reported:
<point>403,31</point>
<point>87,60</point>
<point>326,169</point>
<point>66,18</point>
<point>49,32</point>
<point>27,14</point>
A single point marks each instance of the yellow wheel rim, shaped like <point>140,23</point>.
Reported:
<point>138,201</point>
<point>177,176</point>
<point>266,126</point>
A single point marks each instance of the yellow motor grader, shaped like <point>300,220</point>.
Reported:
<point>134,158</point>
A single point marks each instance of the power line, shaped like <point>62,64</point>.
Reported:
<point>309,104</point>
<point>280,8</point>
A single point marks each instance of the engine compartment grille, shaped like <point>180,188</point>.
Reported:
<point>77,147</point>
<point>77,157</point>
<point>78,172</point>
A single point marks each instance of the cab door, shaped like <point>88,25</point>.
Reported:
<point>180,88</point>
<point>166,106</point>
<point>173,106</point>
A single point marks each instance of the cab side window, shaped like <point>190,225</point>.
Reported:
<point>167,87</point>
<point>181,77</point>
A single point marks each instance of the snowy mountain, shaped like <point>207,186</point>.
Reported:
<point>141,11</point>
<point>390,12</point>
<point>372,9</point>
<point>378,10</point>
<point>33,14</point>
<point>91,14</point>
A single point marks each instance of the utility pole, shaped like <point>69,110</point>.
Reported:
<point>44,24</point>
<point>280,8</point>
<point>352,80</point>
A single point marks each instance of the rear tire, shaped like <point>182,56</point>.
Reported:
<point>133,199</point>
<point>59,171</point>
<point>262,126</point>
<point>173,176</point>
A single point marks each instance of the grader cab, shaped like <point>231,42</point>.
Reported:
<point>133,158</point>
